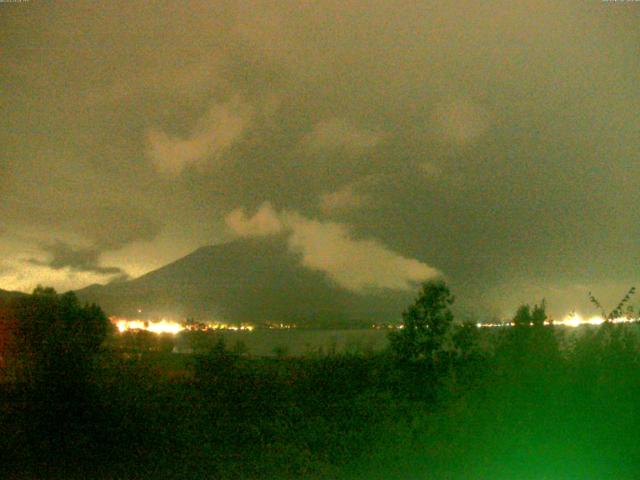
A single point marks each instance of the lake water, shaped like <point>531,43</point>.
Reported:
<point>303,342</point>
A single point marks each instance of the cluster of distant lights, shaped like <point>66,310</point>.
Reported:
<point>572,320</point>
<point>171,327</point>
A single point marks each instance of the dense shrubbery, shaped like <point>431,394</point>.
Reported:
<point>527,402</point>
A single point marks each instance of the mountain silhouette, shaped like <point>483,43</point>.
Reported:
<point>247,280</point>
<point>8,294</point>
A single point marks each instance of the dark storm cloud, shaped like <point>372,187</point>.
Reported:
<point>112,228</point>
<point>494,141</point>
<point>78,259</point>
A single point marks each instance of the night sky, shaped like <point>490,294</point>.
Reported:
<point>496,144</point>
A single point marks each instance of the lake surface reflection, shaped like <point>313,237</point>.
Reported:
<point>298,342</point>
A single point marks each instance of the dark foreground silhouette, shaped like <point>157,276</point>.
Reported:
<point>446,401</point>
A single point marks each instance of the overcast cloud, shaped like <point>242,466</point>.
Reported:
<point>495,142</point>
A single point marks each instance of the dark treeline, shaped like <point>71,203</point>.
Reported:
<point>446,400</point>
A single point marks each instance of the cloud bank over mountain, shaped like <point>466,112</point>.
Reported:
<point>496,142</point>
<point>354,264</point>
